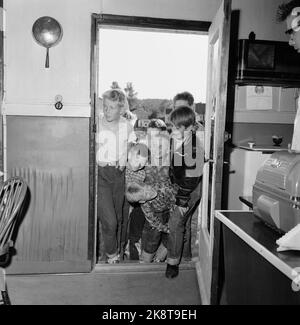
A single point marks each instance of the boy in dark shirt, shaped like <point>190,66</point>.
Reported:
<point>186,169</point>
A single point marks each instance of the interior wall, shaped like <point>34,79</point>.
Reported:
<point>262,12</point>
<point>27,82</point>
<point>174,9</point>
<point>260,16</point>
<point>1,84</point>
<point>53,236</point>
<point>32,88</point>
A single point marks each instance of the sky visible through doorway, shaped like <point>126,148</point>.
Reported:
<point>158,64</point>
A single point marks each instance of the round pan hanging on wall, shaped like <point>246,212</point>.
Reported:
<point>47,32</point>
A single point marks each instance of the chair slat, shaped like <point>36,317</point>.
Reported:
<point>12,195</point>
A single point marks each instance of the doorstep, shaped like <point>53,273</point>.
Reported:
<point>138,267</point>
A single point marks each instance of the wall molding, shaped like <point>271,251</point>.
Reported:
<point>68,110</point>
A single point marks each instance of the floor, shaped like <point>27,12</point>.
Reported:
<point>108,285</point>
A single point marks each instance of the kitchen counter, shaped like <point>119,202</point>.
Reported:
<point>255,273</point>
<point>263,148</point>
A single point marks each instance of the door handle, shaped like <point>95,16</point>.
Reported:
<point>213,162</point>
<point>95,115</point>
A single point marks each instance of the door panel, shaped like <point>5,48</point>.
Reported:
<point>215,114</point>
<point>52,156</point>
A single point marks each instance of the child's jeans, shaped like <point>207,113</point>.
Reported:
<point>111,187</point>
<point>152,238</point>
<point>136,225</point>
<point>187,240</point>
<point>124,227</point>
<point>179,239</point>
<point>177,222</point>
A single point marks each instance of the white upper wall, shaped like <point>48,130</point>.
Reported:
<point>256,15</point>
<point>260,16</point>
<point>26,79</point>
<point>29,84</point>
<point>173,9</point>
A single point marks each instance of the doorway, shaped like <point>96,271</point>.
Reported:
<point>151,60</point>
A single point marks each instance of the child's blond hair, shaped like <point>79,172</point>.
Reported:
<point>140,148</point>
<point>117,95</point>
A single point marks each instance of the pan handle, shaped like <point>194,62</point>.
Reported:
<point>47,58</point>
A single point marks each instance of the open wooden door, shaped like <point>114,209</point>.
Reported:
<point>218,61</point>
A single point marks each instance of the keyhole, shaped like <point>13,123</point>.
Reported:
<point>59,105</point>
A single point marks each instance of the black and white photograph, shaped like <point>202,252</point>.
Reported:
<point>149,155</point>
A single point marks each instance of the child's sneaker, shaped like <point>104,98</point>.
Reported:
<point>113,260</point>
<point>186,259</point>
<point>127,252</point>
<point>138,246</point>
<point>161,254</point>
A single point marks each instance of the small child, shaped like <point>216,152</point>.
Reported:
<point>145,185</point>
<point>151,199</point>
<point>157,209</point>
<point>134,218</point>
